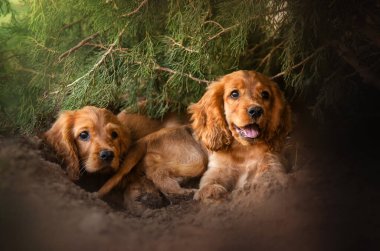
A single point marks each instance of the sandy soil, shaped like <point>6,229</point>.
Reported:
<point>333,204</point>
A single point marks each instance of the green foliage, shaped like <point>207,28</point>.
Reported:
<point>4,7</point>
<point>65,54</point>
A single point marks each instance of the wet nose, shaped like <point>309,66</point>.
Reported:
<point>106,155</point>
<point>255,111</point>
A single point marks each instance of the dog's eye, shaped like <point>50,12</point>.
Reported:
<point>234,94</point>
<point>84,136</point>
<point>265,95</point>
<point>114,135</point>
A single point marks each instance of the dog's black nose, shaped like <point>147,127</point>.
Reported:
<point>106,155</point>
<point>255,111</point>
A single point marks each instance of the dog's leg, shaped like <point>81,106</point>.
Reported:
<point>167,185</point>
<point>140,193</point>
<point>269,177</point>
<point>136,153</point>
<point>216,183</point>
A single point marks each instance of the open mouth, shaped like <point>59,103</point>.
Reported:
<point>251,131</point>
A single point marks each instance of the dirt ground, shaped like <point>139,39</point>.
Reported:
<point>333,203</point>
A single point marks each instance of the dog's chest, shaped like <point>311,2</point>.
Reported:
<point>243,161</point>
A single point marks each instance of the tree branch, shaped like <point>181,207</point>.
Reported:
<point>33,72</point>
<point>350,58</point>
<point>103,47</point>
<point>224,30</point>
<point>42,46</point>
<point>160,68</point>
<point>76,47</point>
<point>269,55</point>
<point>304,61</point>
<point>101,60</point>
<point>181,45</point>
<point>71,24</point>
<point>135,10</point>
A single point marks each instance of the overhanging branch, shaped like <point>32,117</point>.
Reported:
<point>304,61</point>
<point>135,10</point>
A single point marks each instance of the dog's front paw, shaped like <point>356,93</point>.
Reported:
<point>73,173</point>
<point>211,193</point>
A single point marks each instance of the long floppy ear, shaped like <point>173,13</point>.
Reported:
<point>125,140</point>
<point>60,137</point>
<point>280,124</point>
<point>208,120</point>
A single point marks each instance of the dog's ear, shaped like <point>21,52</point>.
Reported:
<point>61,138</point>
<point>280,124</point>
<point>208,120</point>
<point>125,140</point>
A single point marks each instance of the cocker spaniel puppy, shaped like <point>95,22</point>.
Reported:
<point>163,159</point>
<point>94,139</point>
<point>90,139</point>
<point>243,121</point>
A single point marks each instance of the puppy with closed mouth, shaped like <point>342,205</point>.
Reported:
<point>166,158</point>
<point>89,139</point>
<point>93,139</point>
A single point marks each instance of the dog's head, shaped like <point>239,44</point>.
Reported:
<point>245,106</point>
<point>90,139</point>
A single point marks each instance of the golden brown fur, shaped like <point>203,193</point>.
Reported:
<point>243,120</point>
<point>166,157</point>
<point>237,158</point>
<point>107,142</point>
<point>140,125</point>
<point>104,133</point>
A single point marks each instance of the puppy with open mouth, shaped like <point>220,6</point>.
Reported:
<point>243,121</point>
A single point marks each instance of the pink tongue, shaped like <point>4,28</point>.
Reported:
<point>250,132</point>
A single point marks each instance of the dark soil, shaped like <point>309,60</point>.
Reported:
<point>333,204</point>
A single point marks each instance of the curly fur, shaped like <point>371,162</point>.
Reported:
<point>243,120</point>
<point>100,124</point>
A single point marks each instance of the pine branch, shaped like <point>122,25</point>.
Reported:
<point>303,62</point>
<point>135,10</point>
<point>76,47</point>
<point>171,71</point>
<point>101,60</point>
<point>42,46</point>
<point>269,55</point>
<point>181,45</point>
<point>349,57</point>
<point>254,48</point>
<point>33,72</point>
<point>103,47</point>
<point>160,68</point>
<point>223,30</point>
<point>67,26</point>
